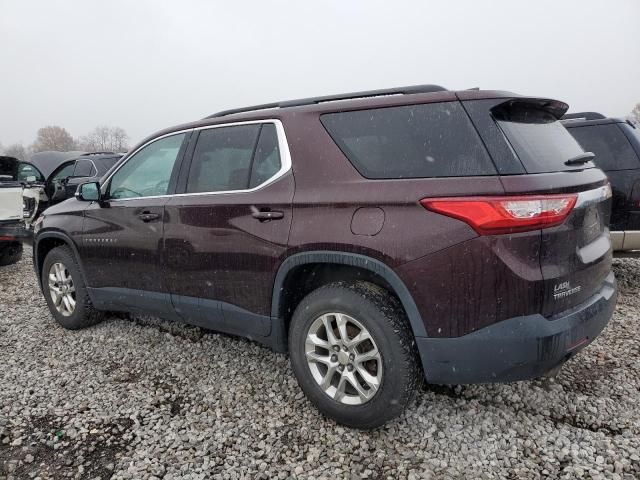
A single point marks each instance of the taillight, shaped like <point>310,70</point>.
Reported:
<point>495,215</point>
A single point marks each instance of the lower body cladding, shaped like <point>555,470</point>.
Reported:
<point>519,348</point>
<point>625,240</point>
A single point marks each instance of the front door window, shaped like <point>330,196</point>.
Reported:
<point>148,172</point>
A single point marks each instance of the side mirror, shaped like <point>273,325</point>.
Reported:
<point>88,192</point>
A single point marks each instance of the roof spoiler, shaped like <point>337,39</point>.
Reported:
<point>554,107</point>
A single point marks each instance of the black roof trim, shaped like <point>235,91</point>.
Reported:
<point>97,153</point>
<point>584,116</point>
<point>411,89</point>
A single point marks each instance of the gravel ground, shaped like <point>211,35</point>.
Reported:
<point>144,398</point>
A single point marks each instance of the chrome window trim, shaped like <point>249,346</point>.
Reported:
<point>283,145</point>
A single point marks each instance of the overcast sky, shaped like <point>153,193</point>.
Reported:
<point>146,65</point>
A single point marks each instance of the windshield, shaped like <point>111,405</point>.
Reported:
<point>538,138</point>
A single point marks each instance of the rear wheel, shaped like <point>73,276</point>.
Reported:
<point>353,355</point>
<point>65,291</point>
<point>10,253</point>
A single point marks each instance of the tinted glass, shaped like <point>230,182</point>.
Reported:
<point>609,143</point>
<point>29,173</point>
<point>105,164</point>
<point>64,172</point>
<point>84,168</point>
<point>266,162</point>
<point>433,140</point>
<point>539,139</point>
<point>222,159</point>
<point>147,173</point>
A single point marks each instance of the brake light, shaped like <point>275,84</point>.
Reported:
<point>495,215</point>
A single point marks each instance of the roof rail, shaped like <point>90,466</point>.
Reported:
<point>97,153</point>
<point>583,116</point>
<point>331,98</point>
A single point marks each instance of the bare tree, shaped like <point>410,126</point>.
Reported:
<point>16,150</point>
<point>54,137</point>
<point>105,139</point>
<point>635,113</point>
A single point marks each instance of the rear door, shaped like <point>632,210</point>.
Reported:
<point>226,232</point>
<point>526,135</point>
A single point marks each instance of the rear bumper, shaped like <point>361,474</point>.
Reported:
<point>519,348</point>
<point>17,232</point>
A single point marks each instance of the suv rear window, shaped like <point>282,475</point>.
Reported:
<point>413,141</point>
<point>538,138</point>
<point>609,143</point>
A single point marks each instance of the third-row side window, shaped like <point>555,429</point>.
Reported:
<point>234,158</point>
<point>414,141</point>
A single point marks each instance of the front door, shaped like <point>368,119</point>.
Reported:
<point>122,235</point>
<point>225,235</point>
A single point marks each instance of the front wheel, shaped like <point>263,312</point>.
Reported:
<point>352,352</point>
<point>65,291</point>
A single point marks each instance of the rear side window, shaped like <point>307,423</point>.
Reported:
<point>609,143</point>
<point>234,158</point>
<point>538,138</point>
<point>414,141</point>
<point>84,168</point>
<point>266,162</point>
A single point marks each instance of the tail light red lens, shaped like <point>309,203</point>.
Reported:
<point>495,215</point>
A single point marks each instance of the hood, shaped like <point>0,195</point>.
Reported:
<point>47,162</point>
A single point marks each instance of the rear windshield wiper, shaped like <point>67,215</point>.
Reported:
<point>581,159</point>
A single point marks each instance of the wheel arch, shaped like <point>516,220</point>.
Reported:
<point>282,295</point>
<point>47,241</point>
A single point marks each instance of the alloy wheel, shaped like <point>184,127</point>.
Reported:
<point>343,358</point>
<point>62,289</point>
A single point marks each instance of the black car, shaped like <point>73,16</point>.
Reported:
<point>58,175</point>
<point>616,145</point>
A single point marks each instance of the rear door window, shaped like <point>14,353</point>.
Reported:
<point>538,138</point>
<point>222,159</point>
<point>234,158</point>
<point>84,168</point>
<point>413,141</point>
<point>609,143</point>
<point>266,162</point>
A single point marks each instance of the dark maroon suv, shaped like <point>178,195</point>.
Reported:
<point>376,236</point>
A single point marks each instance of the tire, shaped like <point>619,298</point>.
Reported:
<point>10,253</point>
<point>83,314</point>
<point>381,314</point>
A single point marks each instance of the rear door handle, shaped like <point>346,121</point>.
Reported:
<point>148,216</point>
<point>265,215</point>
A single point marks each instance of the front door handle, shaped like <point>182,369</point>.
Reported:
<point>148,216</point>
<point>265,215</point>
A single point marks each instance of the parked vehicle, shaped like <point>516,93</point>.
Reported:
<point>55,176</point>
<point>11,212</point>
<point>28,188</point>
<point>374,236</point>
<point>616,145</point>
